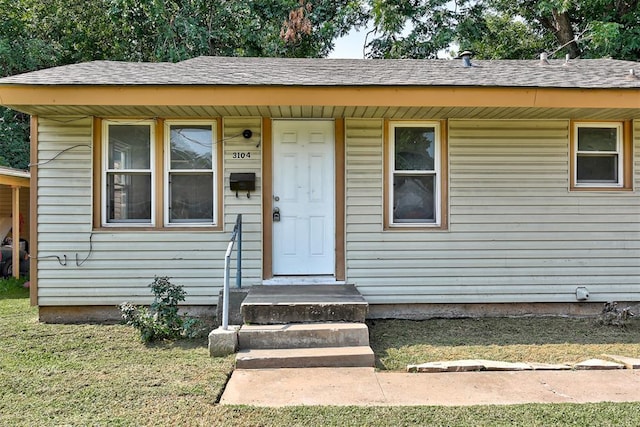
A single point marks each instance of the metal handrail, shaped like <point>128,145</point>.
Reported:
<point>237,233</point>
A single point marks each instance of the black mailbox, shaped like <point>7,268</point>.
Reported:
<point>242,182</point>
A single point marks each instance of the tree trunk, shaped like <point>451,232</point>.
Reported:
<point>559,24</point>
<point>564,33</point>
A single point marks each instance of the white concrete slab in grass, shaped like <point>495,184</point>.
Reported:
<point>468,365</point>
<point>628,362</point>
<point>597,364</point>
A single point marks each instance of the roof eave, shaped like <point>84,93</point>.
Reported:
<point>22,97</point>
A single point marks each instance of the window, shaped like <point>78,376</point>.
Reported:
<point>190,173</point>
<point>128,173</point>
<point>414,174</point>
<point>599,155</point>
<point>157,173</point>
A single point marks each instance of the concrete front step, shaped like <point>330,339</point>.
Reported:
<point>279,304</point>
<point>303,335</point>
<point>359,356</point>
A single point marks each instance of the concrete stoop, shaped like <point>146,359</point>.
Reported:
<point>303,335</point>
<point>282,304</point>
<point>304,326</point>
<point>317,357</point>
<point>304,346</point>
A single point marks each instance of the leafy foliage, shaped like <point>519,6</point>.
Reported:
<point>161,320</point>
<point>416,29</point>
<point>496,35</point>
<point>177,30</point>
<point>505,29</point>
<point>585,28</point>
<point>14,131</point>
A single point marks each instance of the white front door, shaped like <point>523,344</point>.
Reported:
<point>303,196</point>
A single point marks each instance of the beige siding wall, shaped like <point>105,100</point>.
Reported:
<point>248,158</point>
<point>122,264</point>
<point>516,233</point>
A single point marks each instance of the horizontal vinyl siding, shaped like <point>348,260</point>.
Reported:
<point>122,263</point>
<point>249,207</point>
<point>516,234</point>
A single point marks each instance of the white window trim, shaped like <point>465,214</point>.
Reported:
<point>105,170</point>
<point>168,170</point>
<point>619,151</point>
<point>437,172</point>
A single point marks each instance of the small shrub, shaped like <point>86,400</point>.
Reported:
<point>161,320</point>
<point>614,316</point>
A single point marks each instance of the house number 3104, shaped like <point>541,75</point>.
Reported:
<point>239,155</point>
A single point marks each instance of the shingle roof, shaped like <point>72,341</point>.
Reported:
<point>582,73</point>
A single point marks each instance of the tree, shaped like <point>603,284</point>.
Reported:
<point>180,29</point>
<point>496,35</point>
<point>14,139</point>
<point>36,34</point>
<point>586,28</point>
<point>505,28</point>
<point>19,52</point>
<point>411,29</point>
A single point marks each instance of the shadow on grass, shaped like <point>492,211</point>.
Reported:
<point>396,342</point>
<point>14,293</point>
<point>182,344</point>
<point>13,288</point>
<point>501,331</point>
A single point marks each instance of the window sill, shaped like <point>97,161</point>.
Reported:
<point>136,229</point>
<point>600,188</point>
<point>414,228</point>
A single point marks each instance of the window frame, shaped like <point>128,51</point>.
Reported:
<point>105,171</point>
<point>99,205</point>
<point>168,171</point>
<point>439,172</point>
<point>623,152</point>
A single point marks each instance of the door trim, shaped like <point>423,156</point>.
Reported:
<point>267,198</point>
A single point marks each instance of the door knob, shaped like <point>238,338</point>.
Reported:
<point>276,214</point>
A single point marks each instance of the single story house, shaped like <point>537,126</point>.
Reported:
<point>435,186</point>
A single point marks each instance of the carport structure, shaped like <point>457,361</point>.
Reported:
<point>13,183</point>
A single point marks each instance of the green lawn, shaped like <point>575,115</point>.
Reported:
<point>398,343</point>
<point>103,375</point>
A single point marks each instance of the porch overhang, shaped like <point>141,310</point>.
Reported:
<point>15,179</point>
<point>406,102</point>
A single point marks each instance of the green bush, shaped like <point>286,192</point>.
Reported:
<point>161,320</point>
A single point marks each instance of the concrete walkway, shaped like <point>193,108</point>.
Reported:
<point>365,386</point>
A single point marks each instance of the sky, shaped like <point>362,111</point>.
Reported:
<point>349,46</point>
